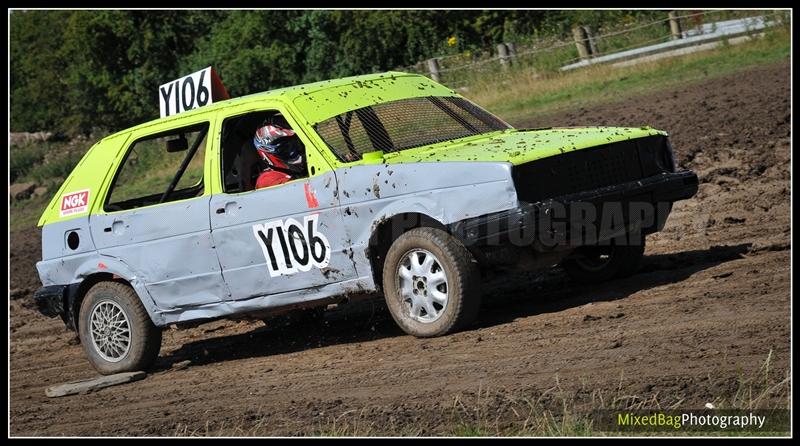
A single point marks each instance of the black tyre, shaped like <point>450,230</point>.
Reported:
<point>116,332</point>
<point>595,264</point>
<point>632,259</point>
<point>431,283</point>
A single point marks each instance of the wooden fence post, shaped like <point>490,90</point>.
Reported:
<point>592,41</point>
<point>579,34</point>
<point>502,52</point>
<point>512,52</point>
<point>433,67</point>
<point>675,25</point>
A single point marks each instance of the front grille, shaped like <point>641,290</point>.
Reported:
<point>588,169</point>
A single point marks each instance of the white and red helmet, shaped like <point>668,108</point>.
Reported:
<point>278,145</point>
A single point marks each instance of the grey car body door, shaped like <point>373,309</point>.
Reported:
<point>282,238</point>
<point>168,245</point>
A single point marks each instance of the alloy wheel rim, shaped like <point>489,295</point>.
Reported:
<point>423,286</point>
<point>110,331</point>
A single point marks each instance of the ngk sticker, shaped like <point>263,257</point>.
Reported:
<point>75,203</point>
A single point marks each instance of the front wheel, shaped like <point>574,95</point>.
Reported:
<point>431,283</point>
<point>595,264</point>
<point>115,330</point>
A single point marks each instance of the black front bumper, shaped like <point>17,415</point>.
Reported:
<point>50,300</point>
<point>57,300</point>
<point>583,218</point>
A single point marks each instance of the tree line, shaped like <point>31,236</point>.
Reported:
<point>77,72</point>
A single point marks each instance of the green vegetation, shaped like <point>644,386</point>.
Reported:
<point>47,164</point>
<point>523,94</point>
<point>25,214</point>
<point>76,72</point>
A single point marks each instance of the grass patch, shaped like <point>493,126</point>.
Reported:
<point>46,164</point>
<point>524,94</point>
<point>24,157</point>
<point>563,410</point>
<point>43,162</point>
<point>469,430</point>
<point>25,214</point>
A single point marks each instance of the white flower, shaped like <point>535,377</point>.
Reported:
<point>709,406</point>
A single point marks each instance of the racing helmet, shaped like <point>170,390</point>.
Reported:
<point>279,146</point>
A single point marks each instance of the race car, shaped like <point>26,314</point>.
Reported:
<point>406,189</point>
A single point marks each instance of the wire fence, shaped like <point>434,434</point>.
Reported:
<point>545,56</point>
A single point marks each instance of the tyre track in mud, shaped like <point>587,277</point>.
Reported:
<point>709,305</point>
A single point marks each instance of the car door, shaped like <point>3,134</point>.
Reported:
<point>164,239</point>
<point>282,238</point>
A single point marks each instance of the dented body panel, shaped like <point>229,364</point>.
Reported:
<point>169,247</point>
<point>446,192</point>
<point>246,218</point>
<point>311,239</point>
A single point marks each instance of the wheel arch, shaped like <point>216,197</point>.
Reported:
<point>106,270</point>
<point>387,229</point>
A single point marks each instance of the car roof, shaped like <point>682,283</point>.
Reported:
<point>287,94</point>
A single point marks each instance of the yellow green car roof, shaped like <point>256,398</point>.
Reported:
<point>322,100</point>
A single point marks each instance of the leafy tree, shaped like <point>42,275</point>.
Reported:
<point>118,59</point>
<point>83,71</point>
<point>252,51</point>
<point>36,69</point>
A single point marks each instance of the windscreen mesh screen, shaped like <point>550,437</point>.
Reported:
<point>405,124</point>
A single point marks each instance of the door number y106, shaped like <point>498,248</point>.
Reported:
<point>290,246</point>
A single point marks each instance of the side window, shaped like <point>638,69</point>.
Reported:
<point>160,168</point>
<point>258,150</point>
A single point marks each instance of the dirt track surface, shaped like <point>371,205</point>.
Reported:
<point>708,308</point>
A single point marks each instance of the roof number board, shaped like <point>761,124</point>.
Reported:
<point>195,90</point>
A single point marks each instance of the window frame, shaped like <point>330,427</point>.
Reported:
<point>195,127</point>
<point>299,130</point>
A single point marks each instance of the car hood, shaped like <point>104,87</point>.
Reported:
<point>520,146</point>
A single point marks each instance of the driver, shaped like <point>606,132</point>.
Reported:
<point>282,152</point>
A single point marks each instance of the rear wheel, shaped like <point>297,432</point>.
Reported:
<point>431,283</point>
<point>115,330</point>
<point>595,264</point>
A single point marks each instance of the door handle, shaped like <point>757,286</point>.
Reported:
<point>229,208</point>
<point>117,227</point>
